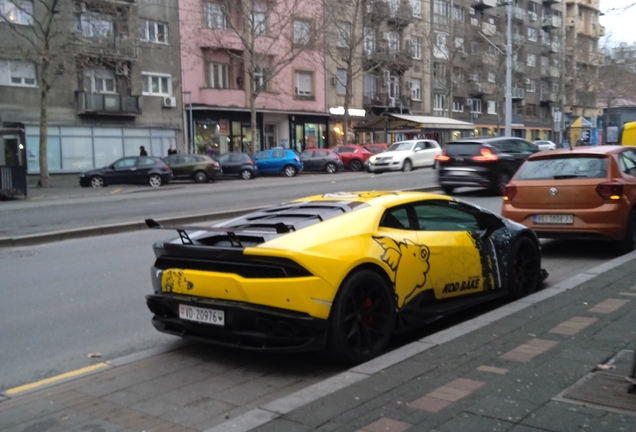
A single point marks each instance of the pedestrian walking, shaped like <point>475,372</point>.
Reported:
<point>142,151</point>
<point>172,151</point>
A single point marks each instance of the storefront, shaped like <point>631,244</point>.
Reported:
<point>225,131</point>
<point>336,126</point>
<point>308,132</point>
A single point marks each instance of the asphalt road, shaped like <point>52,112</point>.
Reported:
<point>83,207</point>
<point>63,301</point>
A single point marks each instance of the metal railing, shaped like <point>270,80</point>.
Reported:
<point>13,181</point>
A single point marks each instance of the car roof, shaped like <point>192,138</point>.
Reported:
<point>583,150</point>
<point>483,140</point>
<point>380,198</point>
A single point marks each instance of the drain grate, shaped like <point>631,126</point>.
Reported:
<point>607,388</point>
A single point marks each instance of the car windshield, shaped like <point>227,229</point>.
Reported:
<point>463,149</point>
<point>401,147</point>
<point>564,168</point>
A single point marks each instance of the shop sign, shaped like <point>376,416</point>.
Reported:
<point>205,122</point>
<point>224,127</point>
<point>353,112</point>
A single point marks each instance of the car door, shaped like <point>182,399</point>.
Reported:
<point>143,168</point>
<point>123,171</point>
<point>263,161</point>
<point>460,261</point>
<point>419,154</point>
<point>307,157</point>
<point>174,162</point>
<point>520,150</point>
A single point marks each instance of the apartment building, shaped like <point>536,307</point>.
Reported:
<point>582,57</point>
<point>114,81</point>
<point>236,50</point>
<point>469,63</point>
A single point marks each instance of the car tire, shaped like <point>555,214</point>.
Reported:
<point>407,166</point>
<point>97,182</point>
<point>246,174</point>
<point>355,165</point>
<point>290,171</point>
<point>362,318</point>
<point>448,189</point>
<point>502,180</point>
<point>628,243</point>
<point>524,268</point>
<point>201,177</point>
<point>331,168</point>
<point>155,180</point>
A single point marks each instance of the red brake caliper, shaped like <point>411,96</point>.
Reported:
<point>367,318</point>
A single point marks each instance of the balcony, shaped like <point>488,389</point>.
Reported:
<point>376,11</point>
<point>400,15</point>
<point>518,13</point>
<point>121,47</point>
<point>555,47</point>
<point>399,60</point>
<point>550,2</point>
<point>518,93</point>
<point>518,66</point>
<point>551,21</point>
<point>548,97</point>
<point>597,58</point>
<point>483,4</point>
<point>385,100</point>
<point>518,39</point>
<point>489,29</point>
<point>554,72</point>
<point>106,104</point>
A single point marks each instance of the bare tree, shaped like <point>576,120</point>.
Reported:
<point>263,38</point>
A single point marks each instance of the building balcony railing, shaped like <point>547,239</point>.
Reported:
<point>548,97</point>
<point>400,15</point>
<point>483,4</point>
<point>551,21</point>
<point>399,60</point>
<point>518,13</point>
<point>107,103</point>
<point>488,28</point>
<point>554,72</point>
<point>120,47</point>
<point>518,93</point>
<point>518,39</point>
<point>386,100</point>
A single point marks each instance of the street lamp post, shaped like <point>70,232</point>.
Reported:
<point>508,115</point>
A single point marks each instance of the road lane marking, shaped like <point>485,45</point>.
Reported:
<point>56,378</point>
<point>115,191</point>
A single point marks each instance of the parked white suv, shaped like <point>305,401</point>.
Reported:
<point>405,156</point>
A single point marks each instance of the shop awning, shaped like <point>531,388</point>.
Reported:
<point>433,122</point>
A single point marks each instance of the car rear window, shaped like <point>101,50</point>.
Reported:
<point>563,168</point>
<point>463,149</point>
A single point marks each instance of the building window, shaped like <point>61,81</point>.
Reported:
<point>492,107</point>
<point>441,9</point>
<point>214,16</point>
<point>531,85</point>
<point>458,14</point>
<point>492,78</point>
<point>302,32</point>
<point>344,34</point>
<point>99,81</point>
<point>459,45</point>
<point>416,46</point>
<point>16,11</point>
<point>439,75</point>
<point>555,87</point>
<point>341,82</point>
<point>17,73</point>
<point>369,40</point>
<point>474,105</point>
<point>440,49</point>
<point>416,89</point>
<point>259,19</point>
<point>532,34</point>
<point>369,88</point>
<point>304,86</point>
<point>532,60</point>
<point>458,105</point>
<point>260,79</point>
<point>439,102</point>
<point>218,75</point>
<point>156,84</point>
<point>394,42</point>
<point>95,25</point>
<point>153,31</point>
<point>416,8</point>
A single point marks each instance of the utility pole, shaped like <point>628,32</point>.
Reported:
<point>509,72</point>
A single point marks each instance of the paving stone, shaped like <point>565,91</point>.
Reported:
<point>561,418</point>
<point>386,425</point>
<point>282,425</point>
<point>474,423</point>
<point>492,369</point>
<point>503,408</point>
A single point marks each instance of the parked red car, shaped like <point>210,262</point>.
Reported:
<point>353,156</point>
<point>376,147</point>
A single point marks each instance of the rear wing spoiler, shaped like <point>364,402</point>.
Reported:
<point>280,227</point>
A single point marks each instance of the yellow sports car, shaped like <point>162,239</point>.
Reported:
<point>342,271</point>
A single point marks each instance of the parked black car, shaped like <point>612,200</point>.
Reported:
<point>482,162</point>
<point>200,168</point>
<point>241,164</point>
<point>134,169</point>
<point>321,160</point>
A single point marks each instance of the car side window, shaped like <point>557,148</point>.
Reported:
<point>421,145</point>
<point>143,161</point>
<point>627,161</point>
<point>526,147</point>
<point>262,155</point>
<point>171,159</point>
<point>278,154</point>
<point>501,145</point>
<point>398,218</point>
<point>236,157</point>
<point>321,154</point>
<point>441,217</point>
<point>345,150</point>
<point>125,163</point>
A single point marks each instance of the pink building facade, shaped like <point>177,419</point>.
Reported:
<point>291,109</point>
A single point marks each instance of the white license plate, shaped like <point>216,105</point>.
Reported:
<point>460,173</point>
<point>200,315</point>
<point>553,219</point>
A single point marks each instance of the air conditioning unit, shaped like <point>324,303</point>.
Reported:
<point>169,102</point>
<point>334,80</point>
<point>533,16</point>
<point>121,69</point>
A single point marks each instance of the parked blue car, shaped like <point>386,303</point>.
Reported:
<point>277,161</point>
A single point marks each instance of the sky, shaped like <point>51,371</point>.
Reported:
<point>618,23</point>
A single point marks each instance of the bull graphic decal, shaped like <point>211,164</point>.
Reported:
<point>175,280</point>
<point>408,262</point>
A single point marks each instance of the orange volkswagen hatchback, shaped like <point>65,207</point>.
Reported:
<point>587,192</point>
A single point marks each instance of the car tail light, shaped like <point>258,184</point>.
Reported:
<point>610,190</point>
<point>442,158</point>
<point>509,192</point>
<point>250,162</point>
<point>486,156</point>
<point>297,159</point>
<point>213,164</point>
<point>165,168</point>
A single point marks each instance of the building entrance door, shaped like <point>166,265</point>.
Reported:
<point>10,154</point>
<point>269,135</point>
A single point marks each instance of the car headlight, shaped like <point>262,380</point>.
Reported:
<point>372,159</point>
<point>82,175</point>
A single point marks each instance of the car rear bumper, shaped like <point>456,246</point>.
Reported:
<point>605,222</point>
<point>247,326</point>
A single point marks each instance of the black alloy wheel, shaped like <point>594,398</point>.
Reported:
<point>201,177</point>
<point>628,243</point>
<point>355,165</point>
<point>524,273</point>
<point>362,318</point>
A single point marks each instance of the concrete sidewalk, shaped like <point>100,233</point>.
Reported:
<point>527,366</point>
